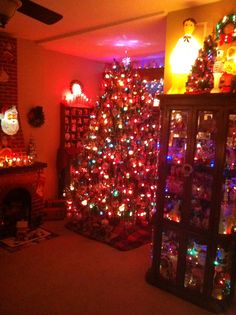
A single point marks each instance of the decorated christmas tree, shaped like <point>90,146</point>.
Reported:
<point>32,154</point>
<point>113,180</point>
<point>201,78</point>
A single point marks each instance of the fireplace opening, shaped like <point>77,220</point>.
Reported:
<point>16,206</point>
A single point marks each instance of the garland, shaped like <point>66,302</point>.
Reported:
<point>36,116</point>
<point>220,33</point>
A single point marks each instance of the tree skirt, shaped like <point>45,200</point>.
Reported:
<point>122,235</point>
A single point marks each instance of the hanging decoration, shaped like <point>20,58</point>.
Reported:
<point>9,120</point>
<point>4,76</point>
<point>36,116</point>
<point>226,29</point>
<point>32,154</point>
<point>40,184</point>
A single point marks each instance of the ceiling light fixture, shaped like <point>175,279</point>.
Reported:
<point>7,10</point>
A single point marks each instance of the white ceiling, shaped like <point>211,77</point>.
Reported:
<point>102,29</point>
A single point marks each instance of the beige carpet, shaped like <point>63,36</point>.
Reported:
<point>73,275</point>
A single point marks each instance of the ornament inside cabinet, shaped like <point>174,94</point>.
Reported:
<point>193,248</point>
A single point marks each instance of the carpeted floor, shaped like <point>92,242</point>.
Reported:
<point>74,275</point>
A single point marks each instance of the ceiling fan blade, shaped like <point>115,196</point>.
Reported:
<point>39,12</point>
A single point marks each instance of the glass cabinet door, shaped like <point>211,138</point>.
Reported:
<point>222,281</point>
<point>203,165</point>
<point>176,156</point>
<point>169,255</point>
<point>195,265</point>
<point>228,203</point>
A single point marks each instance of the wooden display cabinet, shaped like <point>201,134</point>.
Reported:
<point>74,124</point>
<point>193,248</point>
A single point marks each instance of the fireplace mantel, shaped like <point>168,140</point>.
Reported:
<point>22,169</point>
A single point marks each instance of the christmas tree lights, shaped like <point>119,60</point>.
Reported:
<point>195,265</point>
<point>114,177</point>
<point>222,278</point>
<point>201,78</point>
<point>155,86</point>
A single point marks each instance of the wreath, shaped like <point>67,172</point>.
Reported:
<point>226,35</point>
<point>36,116</point>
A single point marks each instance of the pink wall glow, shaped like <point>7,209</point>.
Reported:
<point>42,77</point>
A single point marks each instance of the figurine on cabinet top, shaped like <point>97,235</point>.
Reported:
<point>226,81</point>
<point>183,57</point>
<point>226,34</point>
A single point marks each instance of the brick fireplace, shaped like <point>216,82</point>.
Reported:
<point>21,196</point>
<point>21,184</point>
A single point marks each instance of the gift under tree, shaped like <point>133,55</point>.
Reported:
<point>113,180</point>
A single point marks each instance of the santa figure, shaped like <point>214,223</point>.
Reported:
<point>9,121</point>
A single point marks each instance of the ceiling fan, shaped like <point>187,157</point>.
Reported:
<point>29,8</point>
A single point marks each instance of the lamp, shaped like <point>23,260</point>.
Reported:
<point>7,10</point>
<point>76,88</point>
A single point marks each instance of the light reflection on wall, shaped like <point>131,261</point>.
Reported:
<point>155,60</point>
